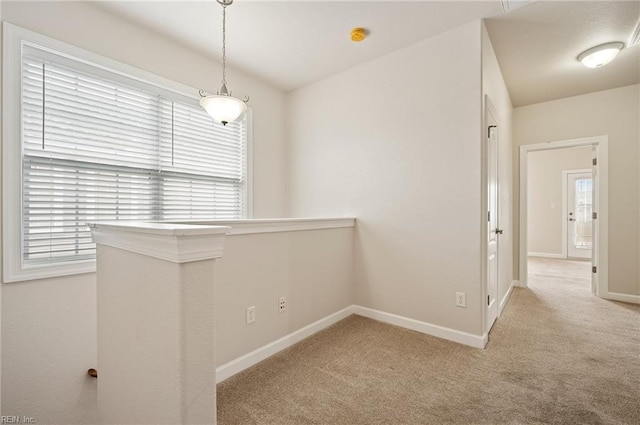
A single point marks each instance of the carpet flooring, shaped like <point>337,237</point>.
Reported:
<point>558,355</point>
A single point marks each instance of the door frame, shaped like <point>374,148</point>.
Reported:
<point>565,211</point>
<point>600,255</point>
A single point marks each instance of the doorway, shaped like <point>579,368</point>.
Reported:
<point>598,146</point>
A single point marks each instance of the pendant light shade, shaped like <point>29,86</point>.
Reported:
<point>223,107</point>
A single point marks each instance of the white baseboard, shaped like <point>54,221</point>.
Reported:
<point>229,369</point>
<point>477,341</point>
<point>614,296</point>
<point>545,255</point>
<point>505,299</point>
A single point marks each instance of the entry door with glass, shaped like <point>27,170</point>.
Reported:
<point>579,219</point>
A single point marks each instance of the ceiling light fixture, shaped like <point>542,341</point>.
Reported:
<point>223,107</point>
<point>600,55</point>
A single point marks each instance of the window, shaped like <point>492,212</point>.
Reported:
<point>99,144</point>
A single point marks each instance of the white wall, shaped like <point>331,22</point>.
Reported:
<point>544,189</point>
<point>49,325</point>
<point>614,113</point>
<point>156,336</point>
<point>312,269</point>
<point>495,89</point>
<point>396,143</point>
<point>0,231</point>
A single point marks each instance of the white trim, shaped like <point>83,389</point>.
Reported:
<point>235,366</point>
<point>507,297</point>
<point>615,296</point>
<point>21,36</point>
<point>565,212</point>
<point>174,243</point>
<point>509,5</point>
<point>248,193</point>
<point>12,163</point>
<point>545,255</point>
<point>601,144</point>
<point>276,225</point>
<point>477,341</point>
<point>635,36</point>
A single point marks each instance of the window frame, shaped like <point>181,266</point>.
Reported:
<point>14,38</point>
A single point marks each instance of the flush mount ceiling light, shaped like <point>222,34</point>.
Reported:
<point>600,55</point>
<point>223,107</point>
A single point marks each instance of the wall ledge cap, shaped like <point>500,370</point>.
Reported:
<point>276,225</point>
<point>177,243</point>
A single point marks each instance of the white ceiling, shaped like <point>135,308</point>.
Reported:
<point>291,44</point>
<point>537,48</point>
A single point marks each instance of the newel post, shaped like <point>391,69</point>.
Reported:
<point>156,333</point>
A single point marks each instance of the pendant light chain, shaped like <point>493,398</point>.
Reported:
<point>224,45</point>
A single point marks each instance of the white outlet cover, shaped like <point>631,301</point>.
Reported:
<point>282,304</point>
<point>251,315</point>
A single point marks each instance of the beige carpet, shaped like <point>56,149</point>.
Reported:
<point>558,355</point>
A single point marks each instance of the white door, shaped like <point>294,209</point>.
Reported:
<point>492,219</point>
<point>579,209</point>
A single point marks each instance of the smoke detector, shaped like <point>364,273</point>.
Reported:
<point>358,34</point>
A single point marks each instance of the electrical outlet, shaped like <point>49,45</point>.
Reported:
<point>282,304</point>
<point>461,299</point>
<point>251,314</point>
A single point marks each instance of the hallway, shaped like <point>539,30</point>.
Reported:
<point>546,273</point>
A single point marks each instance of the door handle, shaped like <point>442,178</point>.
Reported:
<point>572,219</point>
<point>499,231</point>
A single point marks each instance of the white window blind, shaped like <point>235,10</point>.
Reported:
<point>97,147</point>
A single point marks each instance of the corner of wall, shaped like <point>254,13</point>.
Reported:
<point>495,89</point>
<point>1,270</point>
<point>638,167</point>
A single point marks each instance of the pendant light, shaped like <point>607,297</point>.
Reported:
<point>223,107</point>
